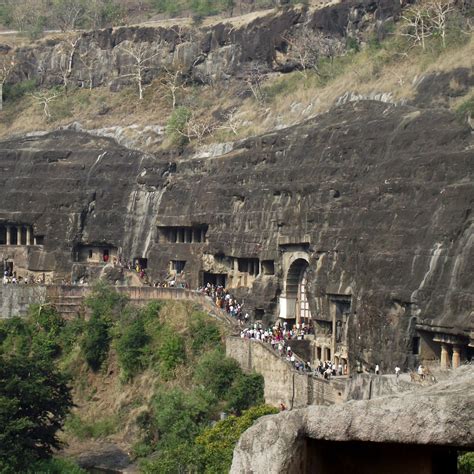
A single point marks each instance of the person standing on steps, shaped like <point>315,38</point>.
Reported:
<point>377,369</point>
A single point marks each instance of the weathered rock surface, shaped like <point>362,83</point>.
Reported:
<point>205,54</point>
<point>379,196</point>
<point>440,415</point>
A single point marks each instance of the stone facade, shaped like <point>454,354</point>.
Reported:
<point>370,202</point>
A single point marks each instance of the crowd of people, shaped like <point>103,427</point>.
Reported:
<point>279,337</point>
<point>225,301</point>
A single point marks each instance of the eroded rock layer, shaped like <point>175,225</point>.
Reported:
<point>373,201</point>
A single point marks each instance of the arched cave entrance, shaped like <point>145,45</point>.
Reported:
<point>296,292</point>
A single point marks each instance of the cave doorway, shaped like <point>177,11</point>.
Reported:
<point>296,289</point>
<point>7,268</point>
<point>216,279</point>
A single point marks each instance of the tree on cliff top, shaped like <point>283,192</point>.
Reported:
<point>34,401</point>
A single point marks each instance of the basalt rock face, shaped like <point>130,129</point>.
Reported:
<point>201,54</point>
<point>378,197</point>
<point>441,415</point>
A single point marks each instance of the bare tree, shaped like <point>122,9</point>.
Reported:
<point>66,51</point>
<point>197,128</point>
<point>68,13</point>
<point>255,80</point>
<point>89,60</point>
<point>172,80</point>
<point>417,25</point>
<point>306,48</point>
<point>141,58</point>
<point>7,63</point>
<point>440,11</point>
<point>44,98</point>
<point>428,18</point>
<point>231,122</point>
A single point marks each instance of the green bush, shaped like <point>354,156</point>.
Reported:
<point>13,92</point>
<point>176,126</point>
<point>216,372</point>
<point>96,341</point>
<point>130,348</point>
<point>219,441</point>
<point>246,391</point>
<point>105,302</point>
<point>466,463</point>
<point>55,466</point>
<point>171,352</point>
<point>86,430</point>
<point>204,333</point>
<point>15,336</point>
<point>466,108</point>
<point>177,416</point>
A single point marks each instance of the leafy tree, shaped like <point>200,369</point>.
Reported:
<point>176,126</point>
<point>96,341</point>
<point>34,401</point>
<point>130,348</point>
<point>246,391</point>
<point>466,463</point>
<point>106,302</point>
<point>216,373</point>
<point>204,333</point>
<point>171,351</point>
<point>218,442</point>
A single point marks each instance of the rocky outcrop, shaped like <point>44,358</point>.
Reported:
<point>440,415</point>
<point>378,197</point>
<point>201,54</point>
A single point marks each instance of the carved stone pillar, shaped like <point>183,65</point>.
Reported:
<point>28,235</point>
<point>444,356</point>
<point>9,235</point>
<point>18,235</point>
<point>456,357</point>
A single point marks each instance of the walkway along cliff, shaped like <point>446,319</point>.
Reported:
<point>359,219</point>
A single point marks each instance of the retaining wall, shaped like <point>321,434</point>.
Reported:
<point>283,384</point>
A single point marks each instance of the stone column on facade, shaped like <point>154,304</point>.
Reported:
<point>9,235</point>
<point>18,235</point>
<point>456,357</point>
<point>28,235</point>
<point>444,356</point>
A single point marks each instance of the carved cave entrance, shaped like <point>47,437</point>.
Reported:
<point>216,279</point>
<point>296,285</point>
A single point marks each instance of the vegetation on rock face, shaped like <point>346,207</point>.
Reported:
<point>174,348</point>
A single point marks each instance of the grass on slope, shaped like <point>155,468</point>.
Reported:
<point>230,111</point>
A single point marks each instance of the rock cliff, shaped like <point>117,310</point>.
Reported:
<point>441,415</point>
<point>377,197</point>
<point>206,54</point>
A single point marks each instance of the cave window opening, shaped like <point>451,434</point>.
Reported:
<point>416,345</point>
<point>183,235</point>
<point>91,253</point>
<point>249,265</point>
<point>268,267</point>
<point>216,279</point>
<point>178,266</point>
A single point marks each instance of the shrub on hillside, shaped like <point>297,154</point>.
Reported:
<point>246,391</point>
<point>204,333</point>
<point>218,442</point>
<point>216,372</point>
<point>130,348</point>
<point>171,352</point>
<point>95,342</point>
